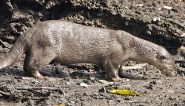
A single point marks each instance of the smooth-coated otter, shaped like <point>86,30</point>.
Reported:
<point>69,43</point>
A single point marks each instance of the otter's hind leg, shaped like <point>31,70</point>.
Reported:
<point>36,60</point>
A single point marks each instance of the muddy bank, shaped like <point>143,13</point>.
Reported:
<point>162,22</point>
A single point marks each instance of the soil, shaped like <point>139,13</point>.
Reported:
<point>67,85</point>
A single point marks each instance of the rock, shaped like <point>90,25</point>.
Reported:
<point>126,86</point>
<point>92,79</point>
<point>84,85</point>
<point>105,82</point>
<point>170,91</point>
<point>167,7</point>
<point>160,82</point>
<point>156,19</point>
<point>182,35</point>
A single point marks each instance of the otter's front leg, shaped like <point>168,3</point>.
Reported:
<point>112,71</point>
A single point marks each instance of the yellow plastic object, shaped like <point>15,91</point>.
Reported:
<point>124,92</point>
<point>60,104</point>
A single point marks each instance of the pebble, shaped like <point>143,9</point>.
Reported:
<point>69,83</point>
<point>126,86</point>
<point>105,82</point>
<point>183,35</point>
<point>139,5</point>
<point>91,70</point>
<point>156,19</point>
<point>170,91</point>
<point>127,80</point>
<point>84,85</point>
<point>159,82</point>
<point>92,78</point>
<point>167,7</point>
<point>140,75</point>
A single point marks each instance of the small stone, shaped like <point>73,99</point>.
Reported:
<point>140,75</point>
<point>6,50</point>
<point>28,78</point>
<point>105,82</point>
<point>91,70</point>
<point>156,19</point>
<point>148,32</point>
<point>167,7</point>
<point>159,82</point>
<point>110,102</point>
<point>183,35</point>
<point>139,5</point>
<point>92,78</point>
<point>126,23</point>
<point>170,91</point>
<point>68,83</point>
<point>126,86</point>
<point>84,85</point>
<point>127,80</point>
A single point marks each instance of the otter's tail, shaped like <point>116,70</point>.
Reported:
<point>15,53</point>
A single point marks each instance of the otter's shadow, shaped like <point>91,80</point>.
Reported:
<point>78,72</point>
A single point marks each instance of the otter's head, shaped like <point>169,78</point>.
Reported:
<point>164,62</point>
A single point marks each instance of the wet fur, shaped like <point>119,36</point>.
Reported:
<point>69,43</point>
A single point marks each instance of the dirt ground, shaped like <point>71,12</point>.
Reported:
<point>86,84</point>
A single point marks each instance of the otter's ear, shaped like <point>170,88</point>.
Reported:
<point>160,57</point>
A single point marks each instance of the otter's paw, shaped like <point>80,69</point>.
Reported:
<point>115,79</point>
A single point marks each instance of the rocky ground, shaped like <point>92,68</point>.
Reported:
<point>162,22</point>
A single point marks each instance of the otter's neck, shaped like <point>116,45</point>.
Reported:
<point>139,49</point>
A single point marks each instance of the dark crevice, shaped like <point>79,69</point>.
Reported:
<point>60,10</point>
<point>5,11</point>
<point>27,5</point>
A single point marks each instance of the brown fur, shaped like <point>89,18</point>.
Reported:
<point>69,43</point>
